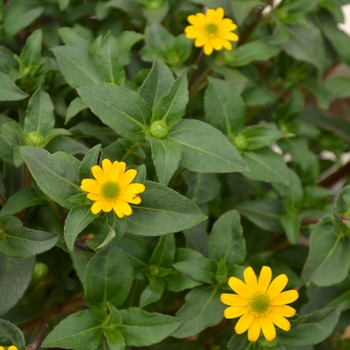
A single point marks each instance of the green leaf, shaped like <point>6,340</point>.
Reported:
<point>11,335</point>
<point>30,58</point>
<point>258,96</point>
<point>7,61</point>
<point>166,154</point>
<point>202,188</point>
<point>305,44</point>
<point>20,200</point>
<point>90,159</point>
<point>171,107</point>
<point>80,331</point>
<point>111,70</point>
<point>206,149</point>
<point>26,10</point>
<point>115,340</point>
<point>77,219</point>
<point>121,109</point>
<point>108,278</point>
<point>342,202</point>
<point>265,214</point>
<point>77,36</point>
<point>162,211</point>
<point>13,284</point>
<point>202,309</point>
<point>265,165</point>
<point>241,9</point>
<point>328,253</point>
<point>258,50</point>
<point>311,329</point>
<point>200,269</point>
<point>259,136</point>
<point>17,241</point>
<point>338,87</point>
<point>126,40</point>
<point>63,4</point>
<point>164,252</point>
<point>291,224</point>
<point>77,65</point>
<point>76,106</point>
<point>9,90</point>
<point>226,240</point>
<point>153,292</point>
<point>241,342</point>
<point>39,115</point>
<point>140,328</point>
<point>224,108</point>
<point>157,84</point>
<point>56,175</point>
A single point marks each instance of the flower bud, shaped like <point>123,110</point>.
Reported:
<point>159,129</point>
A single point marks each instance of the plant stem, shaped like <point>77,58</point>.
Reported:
<point>197,84</point>
<point>41,333</point>
<point>333,178</point>
<point>195,71</point>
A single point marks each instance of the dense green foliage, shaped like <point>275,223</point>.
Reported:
<point>242,156</point>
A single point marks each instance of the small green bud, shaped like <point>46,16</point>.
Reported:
<point>154,270</point>
<point>35,138</point>
<point>173,58</point>
<point>240,142</point>
<point>154,4</point>
<point>159,129</point>
<point>40,270</point>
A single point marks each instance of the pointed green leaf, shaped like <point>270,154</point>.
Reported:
<point>79,36</point>
<point>56,175</point>
<point>166,154</point>
<point>157,84</point>
<point>266,165</point>
<point>291,224</point>
<point>7,60</point>
<point>121,109</point>
<point>171,107</point>
<point>126,40</point>
<point>80,331</point>
<point>13,284</point>
<point>108,278</point>
<point>162,211</point>
<point>77,219</point>
<point>9,90</point>
<point>226,240</point>
<point>202,309</point>
<point>224,108</point>
<point>153,292</point>
<point>39,115</point>
<point>164,252</point>
<point>206,149</point>
<point>90,159</point>
<point>328,253</point>
<point>77,65</point>
<point>140,328</point>
<point>20,200</point>
<point>111,70</point>
<point>76,106</point>
<point>17,241</point>
<point>31,53</point>
<point>115,340</point>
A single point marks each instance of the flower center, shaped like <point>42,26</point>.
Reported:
<point>260,304</point>
<point>110,190</point>
<point>211,29</point>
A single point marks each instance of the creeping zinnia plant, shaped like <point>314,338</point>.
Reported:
<point>260,304</point>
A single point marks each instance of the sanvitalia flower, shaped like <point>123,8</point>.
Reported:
<point>12,347</point>
<point>260,304</point>
<point>211,30</point>
<point>112,188</point>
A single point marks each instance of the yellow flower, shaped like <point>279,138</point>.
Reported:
<point>211,30</point>
<point>260,304</point>
<point>12,347</point>
<point>112,188</point>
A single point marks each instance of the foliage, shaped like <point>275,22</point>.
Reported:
<point>242,154</point>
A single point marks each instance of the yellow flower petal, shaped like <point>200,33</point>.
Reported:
<point>124,207</point>
<point>107,206</point>
<point>90,185</point>
<point>264,278</point>
<point>97,207</point>
<point>98,173</point>
<point>118,211</point>
<point>216,42</point>
<point>200,41</point>
<point>208,48</point>
<point>286,297</point>
<point>192,32</point>
<point>239,287</point>
<point>197,20</point>
<point>226,44</point>
<point>219,15</point>
<point>277,285</point>
<point>94,196</point>
<point>244,323</point>
<point>235,311</point>
<point>12,347</point>
<point>250,278</point>
<point>268,328</point>
<point>284,310</point>
<point>279,321</point>
<point>134,188</point>
<point>210,16</point>
<point>107,167</point>
<point>233,299</point>
<point>254,330</point>
<point>128,176</point>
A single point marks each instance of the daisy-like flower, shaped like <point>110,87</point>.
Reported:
<point>12,347</point>
<point>211,30</point>
<point>260,304</point>
<point>112,188</point>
